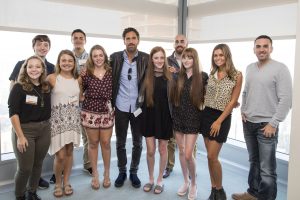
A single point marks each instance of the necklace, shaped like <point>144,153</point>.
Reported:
<point>41,96</point>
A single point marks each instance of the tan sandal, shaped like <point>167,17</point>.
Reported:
<point>95,184</point>
<point>106,182</point>
<point>158,189</point>
<point>58,191</point>
<point>68,190</point>
<point>148,187</point>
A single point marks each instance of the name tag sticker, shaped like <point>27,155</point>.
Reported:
<point>82,61</point>
<point>137,112</point>
<point>30,99</point>
<point>73,99</point>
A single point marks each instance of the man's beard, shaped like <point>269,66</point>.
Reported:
<point>179,50</point>
<point>131,49</point>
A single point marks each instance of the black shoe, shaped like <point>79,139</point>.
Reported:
<point>43,184</point>
<point>135,181</point>
<point>220,194</point>
<point>212,195</point>
<point>32,196</point>
<point>89,171</point>
<point>21,198</point>
<point>52,179</point>
<point>120,180</point>
<point>167,173</point>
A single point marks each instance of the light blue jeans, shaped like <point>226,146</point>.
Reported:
<point>262,157</point>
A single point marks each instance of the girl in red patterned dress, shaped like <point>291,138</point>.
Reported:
<point>97,115</point>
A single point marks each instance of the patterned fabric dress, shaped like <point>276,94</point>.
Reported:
<point>65,114</point>
<point>186,117</point>
<point>97,111</point>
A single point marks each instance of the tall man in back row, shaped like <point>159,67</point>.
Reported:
<point>78,38</point>
<point>267,99</point>
<point>128,70</point>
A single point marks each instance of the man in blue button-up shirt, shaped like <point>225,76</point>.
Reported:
<point>128,68</point>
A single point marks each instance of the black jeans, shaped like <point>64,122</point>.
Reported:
<point>122,121</point>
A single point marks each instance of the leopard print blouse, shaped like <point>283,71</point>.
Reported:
<point>218,92</point>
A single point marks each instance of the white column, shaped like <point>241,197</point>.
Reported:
<point>294,163</point>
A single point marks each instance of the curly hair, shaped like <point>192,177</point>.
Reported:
<point>130,29</point>
<point>25,80</point>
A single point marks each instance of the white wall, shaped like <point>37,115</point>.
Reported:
<point>52,17</point>
<point>55,17</point>
<point>276,21</point>
<point>294,163</point>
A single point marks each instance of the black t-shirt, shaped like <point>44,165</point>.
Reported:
<point>29,105</point>
<point>15,73</point>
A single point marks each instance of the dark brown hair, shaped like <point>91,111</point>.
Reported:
<point>130,29</point>
<point>78,31</point>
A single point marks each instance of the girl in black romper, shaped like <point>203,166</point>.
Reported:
<point>188,98</point>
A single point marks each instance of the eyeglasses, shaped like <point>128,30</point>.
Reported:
<point>129,74</point>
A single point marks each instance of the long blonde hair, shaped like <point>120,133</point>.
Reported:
<point>197,85</point>
<point>24,78</point>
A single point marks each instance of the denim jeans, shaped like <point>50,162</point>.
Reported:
<point>122,120</point>
<point>262,157</point>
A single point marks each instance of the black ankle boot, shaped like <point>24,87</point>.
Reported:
<point>32,196</point>
<point>220,194</point>
<point>212,195</point>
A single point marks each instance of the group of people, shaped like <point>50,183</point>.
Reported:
<point>165,99</point>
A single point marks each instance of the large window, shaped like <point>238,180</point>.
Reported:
<point>243,55</point>
<point>17,46</point>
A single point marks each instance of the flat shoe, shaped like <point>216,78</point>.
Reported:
<point>68,190</point>
<point>148,187</point>
<point>106,182</point>
<point>95,183</point>
<point>58,191</point>
<point>158,189</point>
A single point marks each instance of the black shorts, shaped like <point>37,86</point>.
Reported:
<point>210,115</point>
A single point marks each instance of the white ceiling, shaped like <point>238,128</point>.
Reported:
<point>169,7</point>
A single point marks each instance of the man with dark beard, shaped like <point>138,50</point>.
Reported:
<point>174,60</point>
<point>128,69</point>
